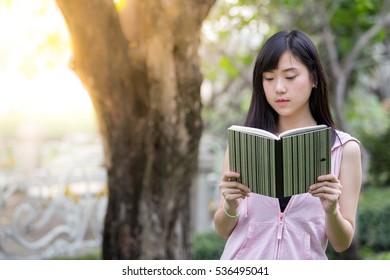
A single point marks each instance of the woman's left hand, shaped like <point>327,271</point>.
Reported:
<point>328,189</point>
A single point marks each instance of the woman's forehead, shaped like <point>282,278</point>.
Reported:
<point>288,62</point>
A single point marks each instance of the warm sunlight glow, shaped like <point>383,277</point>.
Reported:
<point>120,4</point>
<point>34,56</point>
<point>56,91</point>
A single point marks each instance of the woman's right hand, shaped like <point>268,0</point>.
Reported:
<point>231,193</point>
<point>231,190</point>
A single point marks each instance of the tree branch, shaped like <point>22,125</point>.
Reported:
<point>351,59</point>
<point>86,19</point>
<point>330,45</point>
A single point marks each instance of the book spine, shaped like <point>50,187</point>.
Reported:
<point>268,163</point>
<point>279,169</point>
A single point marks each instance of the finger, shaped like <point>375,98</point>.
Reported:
<point>234,187</point>
<point>229,176</point>
<point>235,191</point>
<point>325,184</point>
<point>238,187</point>
<point>328,177</point>
<point>325,190</point>
<point>328,197</point>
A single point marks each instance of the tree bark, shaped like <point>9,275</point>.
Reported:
<point>141,69</point>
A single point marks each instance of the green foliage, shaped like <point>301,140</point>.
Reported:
<point>368,254</point>
<point>232,34</point>
<point>92,255</point>
<point>226,64</point>
<point>207,246</point>
<point>362,110</point>
<point>374,214</point>
<point>351,19</point>
<point>378,147</point>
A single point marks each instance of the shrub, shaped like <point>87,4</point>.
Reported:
<point>379,171</point>
<point>207,246</point>
<point>374,214</point>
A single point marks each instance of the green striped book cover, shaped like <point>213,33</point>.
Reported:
<point>283,165</point>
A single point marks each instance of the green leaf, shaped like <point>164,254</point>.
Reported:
<point>226,64</point>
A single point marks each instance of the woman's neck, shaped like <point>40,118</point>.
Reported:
<point>285,124</point>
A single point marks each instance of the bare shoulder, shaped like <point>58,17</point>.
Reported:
<point>351,162</point>
<point>351,150</point>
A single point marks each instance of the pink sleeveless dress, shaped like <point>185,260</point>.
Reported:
<point>263,232</point>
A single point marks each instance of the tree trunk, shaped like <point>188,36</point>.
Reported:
<point>141,70</point>
<point>339,91</point>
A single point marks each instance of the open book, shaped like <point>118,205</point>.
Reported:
<point>283,165</point>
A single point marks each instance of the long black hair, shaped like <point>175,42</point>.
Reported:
<point>260,113</point>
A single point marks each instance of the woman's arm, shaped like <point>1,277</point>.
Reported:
<point>340,197</point>
<point>231,194</point>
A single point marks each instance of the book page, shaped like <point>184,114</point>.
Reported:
<point>302,130</point>
<point>254,131</point>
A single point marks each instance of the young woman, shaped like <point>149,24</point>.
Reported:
<point>289,91</point>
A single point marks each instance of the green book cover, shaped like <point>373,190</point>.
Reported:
<point>283,165</point>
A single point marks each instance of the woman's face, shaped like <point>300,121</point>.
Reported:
<point>288,87</point>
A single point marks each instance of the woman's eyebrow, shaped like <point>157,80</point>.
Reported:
<point>290,69</point>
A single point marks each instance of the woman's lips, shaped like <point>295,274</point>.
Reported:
<point>281,101</point>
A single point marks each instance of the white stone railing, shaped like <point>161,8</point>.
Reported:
<point>39,222</point>
<point>56,209</point>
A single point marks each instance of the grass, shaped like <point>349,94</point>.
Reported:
<point>91,255</point>
<point>368,254</point>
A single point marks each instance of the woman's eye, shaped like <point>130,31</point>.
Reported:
<point>290,77</point>
<point>268,78</point>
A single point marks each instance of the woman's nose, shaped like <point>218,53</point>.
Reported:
<point>280,87</point>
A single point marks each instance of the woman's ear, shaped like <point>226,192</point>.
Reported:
<point>314,81</point>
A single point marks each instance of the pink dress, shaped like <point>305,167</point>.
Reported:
<point>264,232</point>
